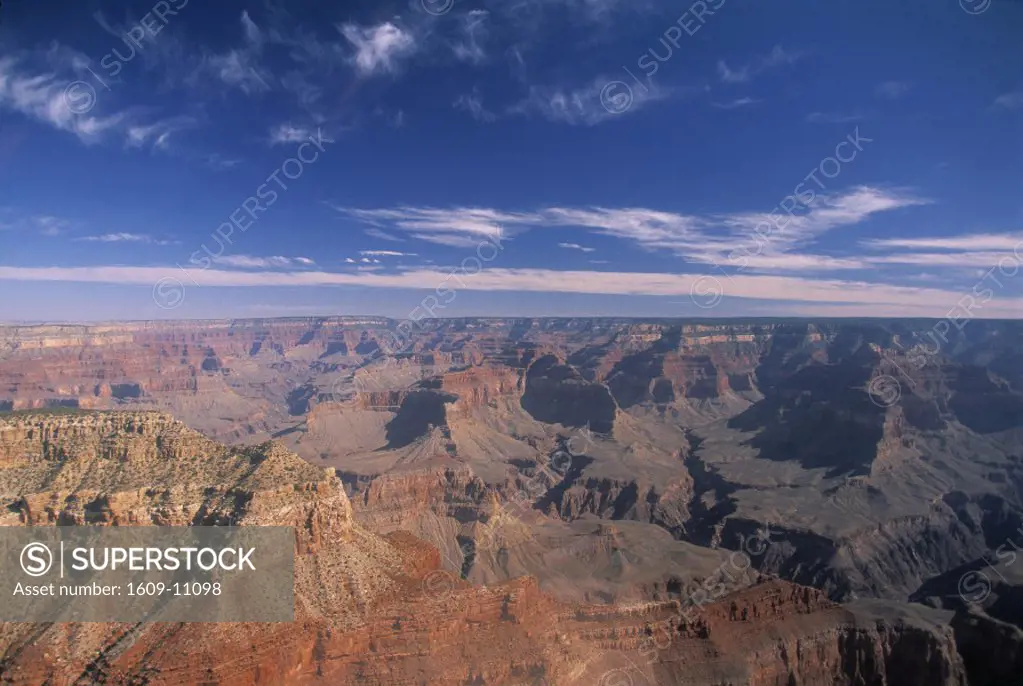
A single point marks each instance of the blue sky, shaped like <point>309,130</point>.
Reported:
<point>528,157</point>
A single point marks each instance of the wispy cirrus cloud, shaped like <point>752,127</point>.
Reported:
<point>220,162</point>
<point>1010,101</point>
<point>954,259</point>
<point>41,224</point>
<point>251,262</point>
<point>41,95</point>
<point>644,226</point>
<point>241,67</point>
<point>456,227</point>
<point>697,238</point>
<point>387,253</point>
<point>378,49</point>
<point>881,298</point>
<point>374,232</point>
<point>473,104</point>
<point>983,241</point>
<point>778,57</point>
<point>57,96</point>
<point>583,106</point>
<point>962,251</point>
<point>735,104</point>
<point>158,134</point>
<point>124,237</point>
<point>576,246</point>
<point>473,31</point>
<point>48,225</point>
<point>786,241</point>
<point>287,133</point>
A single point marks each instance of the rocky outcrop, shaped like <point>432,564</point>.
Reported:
<point>378,610</point>
<point>810,641</point>
<point>480,387</point>
<point>418,413</point>
<point>557,394</point>
<point>665,505</point>
<point>49,438</point>
<point>397,500</point>
<point>992,650</point>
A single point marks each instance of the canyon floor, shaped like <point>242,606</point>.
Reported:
<point>571,501</point>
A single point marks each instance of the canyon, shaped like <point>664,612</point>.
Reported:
<point>539,500</point>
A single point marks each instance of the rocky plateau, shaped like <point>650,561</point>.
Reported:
<point>543,501</point>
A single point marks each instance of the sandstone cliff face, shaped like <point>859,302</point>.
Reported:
<point>785,635</point>
<point>398,500</point>
<point>479,387</point>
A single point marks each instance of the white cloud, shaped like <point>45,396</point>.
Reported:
<point>646,227</point>
<point>709,239</point>
<point>42,224</point>
<point>776,58</point>
<point>825,213</point>
<point>957,259</point>
<point>987,241</point>
<point>473,30</point>
<point>219,162</point>
<point>239,68</point>
<point>576,246</point>
<point>452,240</point>
<point>379,48</point>
<point>287,133</point>
<point>473,104</point>
<point>584,106</point>
<point>48,225</point>
<point>48,98</point>
<point>250,262</point>
<point>158,134</point>
<point>878,296</point>
<point>383,235</point>
<point>457,226</point>
<point>949,252</point>
<point>737,103</point>
<point>1010,101</point>
<point>790,262</point>
<point>126,238</point>
<point>253,35</point>
<point>387,253</point>
<point>71,101</point>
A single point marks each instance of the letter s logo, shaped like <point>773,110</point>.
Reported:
<point>36,559</point>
